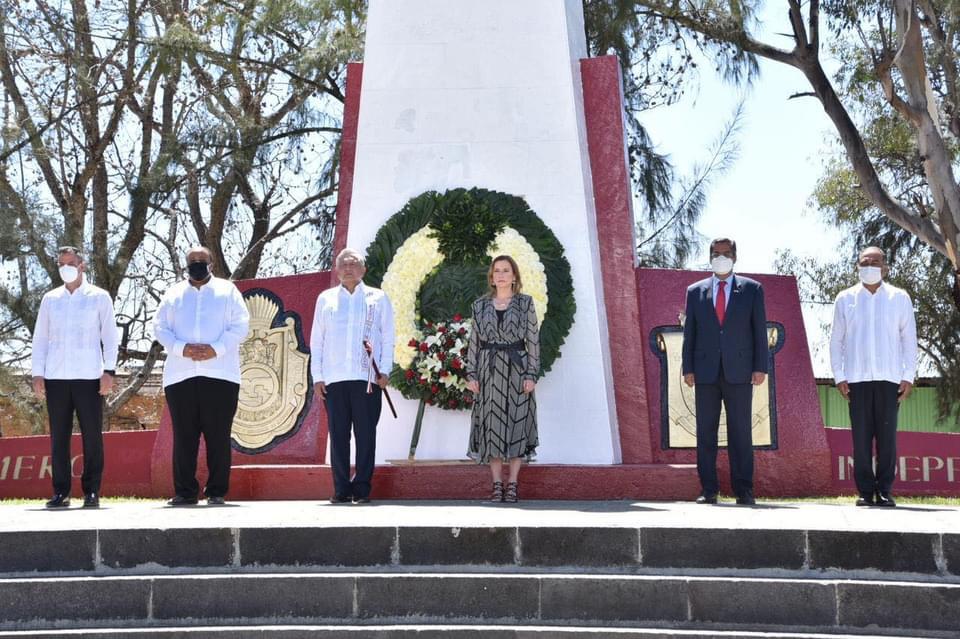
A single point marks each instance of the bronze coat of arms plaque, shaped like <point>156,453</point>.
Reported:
<point>274,376</point>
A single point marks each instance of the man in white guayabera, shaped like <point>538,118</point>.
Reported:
<point>74,357</point>
<point>873,352</point>
<point>347,318</point>
<point>201,323</point>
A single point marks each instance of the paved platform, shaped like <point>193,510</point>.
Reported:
<point>606,514</point>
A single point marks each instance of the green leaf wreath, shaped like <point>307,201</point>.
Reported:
<point>465,224</point>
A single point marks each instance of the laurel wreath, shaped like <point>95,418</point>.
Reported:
<point>432,256</point>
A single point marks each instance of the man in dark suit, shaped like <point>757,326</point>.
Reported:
<point>725,355</point>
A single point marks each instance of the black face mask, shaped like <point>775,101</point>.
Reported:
<point>198,270</point>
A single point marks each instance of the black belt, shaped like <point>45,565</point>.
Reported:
<point>513,351</point>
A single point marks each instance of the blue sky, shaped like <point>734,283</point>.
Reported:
<point>762,201</point>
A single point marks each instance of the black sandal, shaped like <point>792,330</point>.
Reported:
<point>510,496</point>
<point>497,495</point>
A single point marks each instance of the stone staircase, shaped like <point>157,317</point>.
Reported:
<point>478,582</point>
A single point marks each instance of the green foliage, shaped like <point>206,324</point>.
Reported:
<point>465,226</point>
<point>451,290</point>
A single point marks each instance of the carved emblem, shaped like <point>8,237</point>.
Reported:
<point>678,401</point>
<point>274,376</point>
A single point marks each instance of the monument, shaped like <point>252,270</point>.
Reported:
<point>496,105</point>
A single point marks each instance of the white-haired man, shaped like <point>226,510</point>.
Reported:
<point>345,317</point>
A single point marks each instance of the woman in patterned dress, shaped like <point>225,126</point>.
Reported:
<point>503,363</point>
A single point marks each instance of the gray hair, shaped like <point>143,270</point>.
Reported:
<point>349,252</point>
<point>70,250</point>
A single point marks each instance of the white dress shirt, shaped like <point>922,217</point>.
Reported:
<point>214,314</point>
<point>715,281</point>
<point>341,322</point>
<point>76,334</point>
<point>874,336</point>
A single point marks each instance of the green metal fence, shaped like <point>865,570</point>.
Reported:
<point>917,414</point>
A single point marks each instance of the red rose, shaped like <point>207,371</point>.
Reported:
<point>413,343</point>
<point>452,403</point>
<point>462,331</point>
<point>456,363</point>
<point>458,317</point>
<point>444,373</point>
<point>434,389</point>
<point>423,381</point>
<point>463,351</point>
<point>442,356</point>
<point>448,344</point>
<point>410,374</point>
<point>442,329</point>
<point>430,401</point>
<point>468,399</point>
<point>424,348</point>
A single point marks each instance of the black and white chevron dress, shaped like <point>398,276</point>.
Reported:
<point>504,419</point>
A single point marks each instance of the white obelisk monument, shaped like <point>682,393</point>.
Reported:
<point>470,93</point>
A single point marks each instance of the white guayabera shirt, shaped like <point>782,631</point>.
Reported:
<point>214,314</point>
<point>341,322</point>
<point>76,334</point>
<point>874,336</point>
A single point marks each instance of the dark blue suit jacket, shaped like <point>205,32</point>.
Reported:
<point>741,344</point>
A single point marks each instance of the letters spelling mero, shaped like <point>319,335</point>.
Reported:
<point>24,466</point>
<point>914,468</point>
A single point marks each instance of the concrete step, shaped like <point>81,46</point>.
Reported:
<point>439,631</point>
<point>744,551</point>
<point>773,604</point>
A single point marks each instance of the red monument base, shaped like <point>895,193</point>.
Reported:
<point>470,481</point>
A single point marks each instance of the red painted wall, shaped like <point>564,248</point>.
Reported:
<point>613,201</point>
<point>25,465</point>
<point>927,464</point>
<point>801,464</point>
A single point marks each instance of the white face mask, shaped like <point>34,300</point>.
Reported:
<point>69,273</point>
<point>871,274</point>
<point>721,264</point>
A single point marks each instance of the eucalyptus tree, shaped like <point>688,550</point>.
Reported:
<point>909,52</point>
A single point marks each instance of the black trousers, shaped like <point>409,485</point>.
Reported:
<point>873,417</point>
<point>348,404</point>
<point>202,406</point>
<point>64,398</point>
<point>737,399</point>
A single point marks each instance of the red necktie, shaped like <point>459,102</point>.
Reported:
<point>721,302</point>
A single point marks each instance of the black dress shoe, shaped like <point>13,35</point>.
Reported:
<point>746,499</point>
<point>59,501</point>
<point>361,500</point>
<point>340,499</point>
<point>216,501</point>
<point>91,500</point>
<point>707,498</point>
<point>865,500</point>
<point>885,500</point>
<point>180,500</point>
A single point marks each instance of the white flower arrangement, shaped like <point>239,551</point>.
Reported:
<point>413,262</point>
